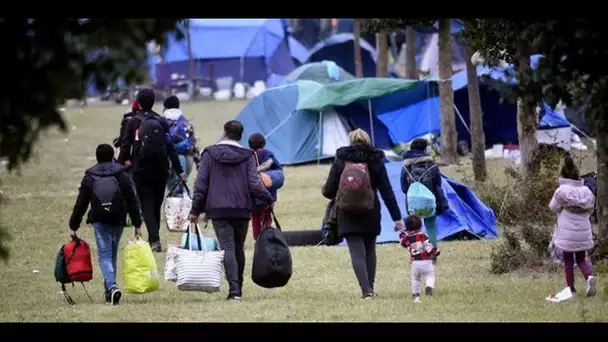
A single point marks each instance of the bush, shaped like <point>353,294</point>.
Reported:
<point>512,255</point>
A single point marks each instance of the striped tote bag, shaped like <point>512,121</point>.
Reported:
<point>199,270</point>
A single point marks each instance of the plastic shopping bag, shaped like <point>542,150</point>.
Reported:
<point>139,267</point>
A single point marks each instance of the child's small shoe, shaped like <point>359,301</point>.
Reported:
<point>416,299</point>
<point>428,291</point>
<point>591,282</point>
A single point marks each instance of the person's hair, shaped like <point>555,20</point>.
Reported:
<point>172,102</point>
<point>360,137</point>
<point>104,153</point>
<point>412,223</point>
<point>257,141</point>
<point>146,99</point>
<point>569,170</point>
<point>419,144</point>
<point>233,130</point>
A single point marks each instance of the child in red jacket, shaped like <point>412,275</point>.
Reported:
<point>422,254</point>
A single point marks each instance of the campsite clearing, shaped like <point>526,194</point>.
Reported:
<point>323,287</point>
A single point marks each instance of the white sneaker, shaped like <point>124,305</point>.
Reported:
<point>565,294</point>
<point>417,300</point>
<point>591,282</point>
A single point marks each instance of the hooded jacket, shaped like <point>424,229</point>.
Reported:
<point>573,202</point>
<point>365,223</point>
<point>413,157</point>
<point>184,140</point>
<point>227,182</point>
<point>85,196</point>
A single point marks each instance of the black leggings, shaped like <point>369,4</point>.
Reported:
<point>362,250</point>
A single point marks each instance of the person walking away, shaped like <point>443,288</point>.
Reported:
<point>123,123</point>
<point>181,132</point>
<point>574,203</point>
<point>422,252</point>
<point>356,175</point>
<point>107,189</point>
<point>266,162</point>
<point>147,150</point>
<point>226,186</point>
<point>421,166</point>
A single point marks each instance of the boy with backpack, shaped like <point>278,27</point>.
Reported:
<point>146,149</point>
<point>269,164</point>
<point>181,135</point>
<point>107,189</point>
<point>419,168</point>
<point>422,252</point>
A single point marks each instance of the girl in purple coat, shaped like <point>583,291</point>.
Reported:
<point>573,202</point>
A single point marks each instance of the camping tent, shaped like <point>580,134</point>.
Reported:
<point>305,120</point>
<point>467,217</point>
<point>339,48</point>
<point>325,72</point>
<point>298,51</point>
<point>415,112</point>
<point>248,50</point>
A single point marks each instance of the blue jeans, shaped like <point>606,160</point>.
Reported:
<point>186,162</point>
<point>107,237</point>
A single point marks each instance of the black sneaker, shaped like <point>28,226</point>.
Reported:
<point>108,298</point>
<point>233,297</point>
<point>368,296</point>
<point>428,291</point>
<point>115,296</point>
<point>156,247</point>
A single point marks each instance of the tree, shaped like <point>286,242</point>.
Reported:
<point>51,59</point>
<point>449,136</point>
<point>357,45</point>
<point>478,136</point>
<point>382,65</point>
<point>513,42</point>
<point>411,72</point>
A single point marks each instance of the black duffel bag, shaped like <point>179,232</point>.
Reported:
<point>272,264</point>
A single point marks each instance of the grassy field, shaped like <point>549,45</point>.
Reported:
<point>323,287</point>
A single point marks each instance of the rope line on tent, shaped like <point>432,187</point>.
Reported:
<point>461,118</point>
<point>279,125</point>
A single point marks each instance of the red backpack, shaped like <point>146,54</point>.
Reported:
<point>355,191</point>
<point>73,264</point>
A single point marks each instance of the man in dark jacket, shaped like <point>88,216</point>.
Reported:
<point>108,190</point>
<point>150,176</point>
<point>361,228</point>
<point>226,185</point>
<point>123,123</point>
<point>419,163</point>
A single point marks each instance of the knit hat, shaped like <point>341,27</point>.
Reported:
<point>172,102</point>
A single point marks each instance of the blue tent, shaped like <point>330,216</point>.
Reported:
<point>298,51</point>
<point>339,48</point>
<point>415,112</point>
<point>467,217</point>
<point>246,49</point>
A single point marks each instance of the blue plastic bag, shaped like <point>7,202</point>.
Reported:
<point>206,243</point>
<point>420,200</point>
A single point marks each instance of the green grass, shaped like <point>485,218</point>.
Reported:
<point>323,287</point>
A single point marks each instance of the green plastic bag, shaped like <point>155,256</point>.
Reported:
<point>139,267</point>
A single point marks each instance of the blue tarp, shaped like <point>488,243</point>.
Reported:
<point>298,51</point>
<point>246,49</point>
<point>339,48</point>
<point>467,216</point>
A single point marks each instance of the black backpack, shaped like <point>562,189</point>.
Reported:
<point>272,264</point>
<point>152,141</point>
<point>107,202</point>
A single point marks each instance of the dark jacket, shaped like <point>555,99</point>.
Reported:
<point>227,182</point>
<point>123,125</point>
<point>364,223</point>
<point>412,157</point>
<point>129,151</point>
<point>85,195</point>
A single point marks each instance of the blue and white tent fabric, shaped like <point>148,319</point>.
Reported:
<point>246,49</point>
<point>339,49</point>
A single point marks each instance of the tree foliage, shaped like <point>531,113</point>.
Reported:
<point>395,24</point>
<point>49,61</point>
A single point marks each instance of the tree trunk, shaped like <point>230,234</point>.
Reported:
<point>602,177</point>
<point>410,53</point>
<point>190,62</point>
<point>449,137</point>
<point>478,136</point>
<point>382,48</point>
<point>527,123</point>
<point>358,61</point>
